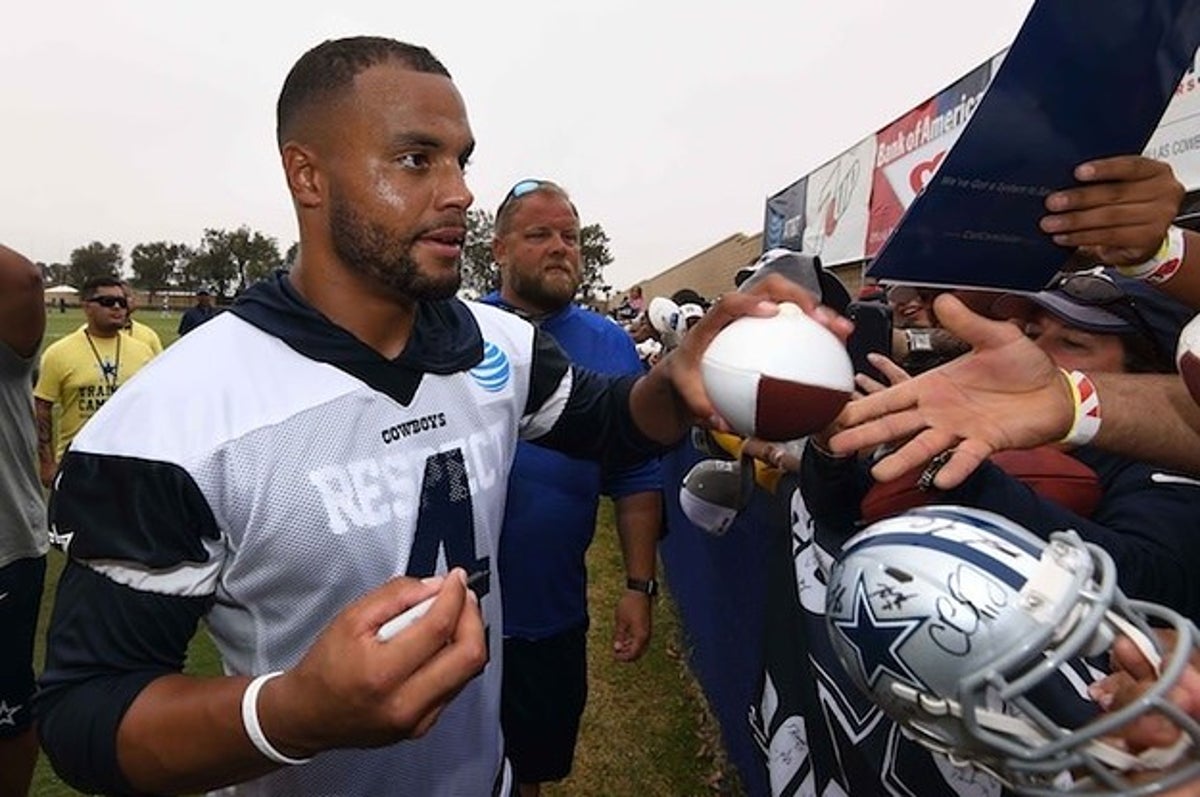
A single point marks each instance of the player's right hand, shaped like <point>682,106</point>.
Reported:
<point>351,690</point>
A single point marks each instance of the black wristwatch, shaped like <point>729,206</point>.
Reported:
<point>647,587</point>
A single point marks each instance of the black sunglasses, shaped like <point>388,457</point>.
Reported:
<point>1098,290</point>
<point>1091,289</point>
<point>110,301</point>
<point>519,190</point>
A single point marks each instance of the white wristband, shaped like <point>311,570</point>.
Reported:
<point>1164,264</point>
<point>254,729</point>
<point>1086,423</point>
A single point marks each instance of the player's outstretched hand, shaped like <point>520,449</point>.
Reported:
<point>682,367</point>
<point>352,690</point>
<point>1121,213</point>
<point>1005,393</point>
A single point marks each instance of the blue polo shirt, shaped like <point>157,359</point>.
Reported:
<point>552,498</point>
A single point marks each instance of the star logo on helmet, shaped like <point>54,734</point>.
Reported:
<point>876,642</point>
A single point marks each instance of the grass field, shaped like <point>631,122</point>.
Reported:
<point>647,729</point>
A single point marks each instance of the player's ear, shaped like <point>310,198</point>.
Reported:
<point>304,177</point>
<point>498,250</point>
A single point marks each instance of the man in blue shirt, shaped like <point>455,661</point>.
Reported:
<point>552,501</point>
<point>198,313</point>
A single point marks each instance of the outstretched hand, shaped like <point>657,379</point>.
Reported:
<point>1121,213</point>
<point>1005,393</point>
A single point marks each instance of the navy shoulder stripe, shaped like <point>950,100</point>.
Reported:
<point>159,522</point>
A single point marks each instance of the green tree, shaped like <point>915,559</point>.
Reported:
<point>479,273</point>
<point>594,256</point>
<point>57,273</point>
<point>158,265</point>
<point>233,259</point>
<point>94,260</point>
<point>293,252</point>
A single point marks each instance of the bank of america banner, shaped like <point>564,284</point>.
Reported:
<point>1049,107</point>
<point>909,151</point>
<point>838,205</point>
<point>784,224</point>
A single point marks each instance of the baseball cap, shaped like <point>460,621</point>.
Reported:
<point>202,292</point>
<point>688,296</point>
<point>1103,301</point>
<point>804,270</point>
<point>663,314</point>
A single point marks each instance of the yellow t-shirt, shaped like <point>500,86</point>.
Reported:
<point>139,331</point>
<point>144,333</point>
<point>79,374</point>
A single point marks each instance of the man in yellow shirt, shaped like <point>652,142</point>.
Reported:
<point>81,370</point>
<point>136,329</point>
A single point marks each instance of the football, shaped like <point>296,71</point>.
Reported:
<point>1188,357</point>
<point>777,378</point>
<point>1052,474</point>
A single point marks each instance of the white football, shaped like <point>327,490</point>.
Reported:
<point>777,378</point>
<point>1187,356</point>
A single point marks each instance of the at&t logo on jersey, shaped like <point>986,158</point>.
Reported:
<point>492,374</point>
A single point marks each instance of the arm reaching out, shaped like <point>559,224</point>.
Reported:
<point>1121,212</point>
<point>1120,215</point>
<point>1005,393</point>
<point>667,401</point>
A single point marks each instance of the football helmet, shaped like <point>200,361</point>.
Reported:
<point>976,637</point>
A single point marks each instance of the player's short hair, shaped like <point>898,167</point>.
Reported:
<point>93,285</point>
<point>330,68</point>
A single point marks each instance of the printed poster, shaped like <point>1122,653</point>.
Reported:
<point>1052,105</point>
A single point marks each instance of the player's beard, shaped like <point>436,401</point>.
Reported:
<point>379,254</point>
<point>543,293</point>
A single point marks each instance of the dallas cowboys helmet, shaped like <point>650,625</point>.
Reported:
<point>974,636</point>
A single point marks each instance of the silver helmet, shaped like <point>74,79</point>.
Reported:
<point>975,636</point>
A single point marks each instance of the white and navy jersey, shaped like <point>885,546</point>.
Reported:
<point>268,470</point>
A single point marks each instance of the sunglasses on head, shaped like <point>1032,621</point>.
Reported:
<point>519,190</point>
<point>1098,290</point>
<point>110,301</point>
<point>1095,290</point>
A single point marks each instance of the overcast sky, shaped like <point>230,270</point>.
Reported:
<point>669,122</point>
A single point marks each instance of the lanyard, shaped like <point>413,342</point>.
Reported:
<point>109,371</point>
